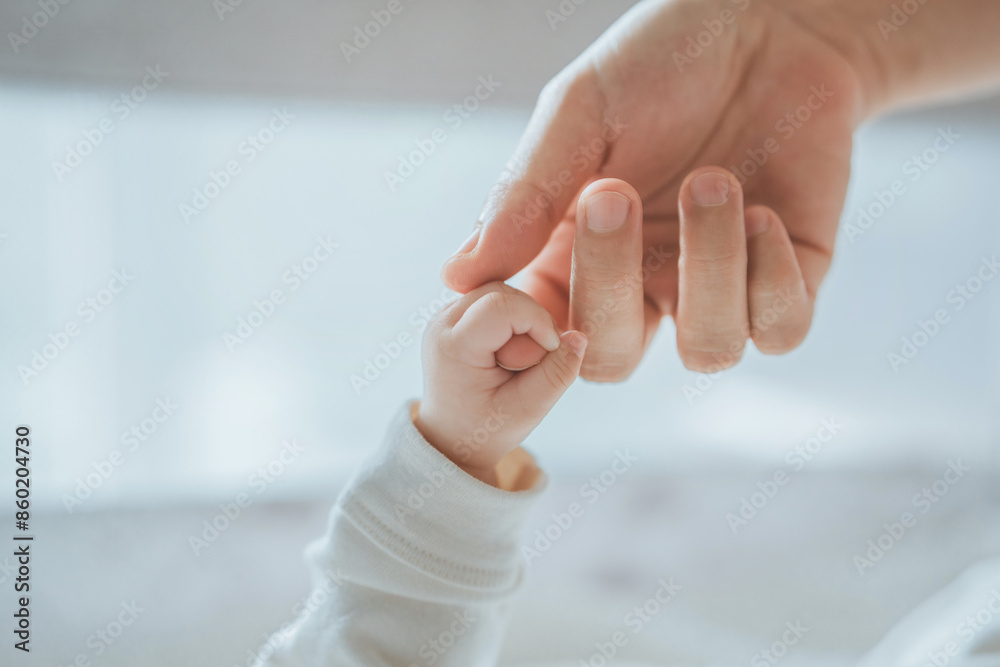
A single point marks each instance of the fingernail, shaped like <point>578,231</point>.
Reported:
<point>470,243</point>
<point>575,341</point>
<point>757,221</point>
<point>710,189</point>
<point>517,370</point>
<point>552,339</point>
<point>606,211</point>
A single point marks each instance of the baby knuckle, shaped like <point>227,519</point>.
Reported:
<point>559,371</point>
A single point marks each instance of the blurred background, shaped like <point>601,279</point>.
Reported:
<point>168,166</point>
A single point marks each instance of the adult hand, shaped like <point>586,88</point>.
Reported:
<point>737,150</point>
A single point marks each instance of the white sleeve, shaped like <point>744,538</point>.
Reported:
<point>417,566</point>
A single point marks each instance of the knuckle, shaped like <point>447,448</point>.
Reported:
<point>715,264</point>
<point>562,89</point>
<point>485,290</point>
<point>779,321</point>
<point>610,366</point>
<point>600,278</point>
<point>498,300</point>
<point>557,381</point>
<point>606,373</point>
<point>559,371</point>
<point>438,325</point>
<point>551,92</point>
<point>445,342</point>
<point>539,204</point>
<point>520,196</point>
<point>507,302</point>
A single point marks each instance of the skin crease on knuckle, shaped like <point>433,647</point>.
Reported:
<point>613,364</point>
<point>600,282</point>
<point>442,328</point>
<point>713,265</point>
<point>706,336</point>
<point>496,296</point>
<point>500,301</point>
<point>508,302</point>
<point>573,87</point>
<point>447,347</point>
<point>559,373</point>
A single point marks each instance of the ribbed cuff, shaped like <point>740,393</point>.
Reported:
<point>418,506</point>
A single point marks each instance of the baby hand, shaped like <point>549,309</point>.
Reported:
<point>474,411</point>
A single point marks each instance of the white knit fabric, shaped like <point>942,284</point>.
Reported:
<point>418,565</point>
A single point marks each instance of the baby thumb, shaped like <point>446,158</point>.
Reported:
<point>543,384</point>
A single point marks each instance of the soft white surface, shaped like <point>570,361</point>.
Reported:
<point>793,562</point>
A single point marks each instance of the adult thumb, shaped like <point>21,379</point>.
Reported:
<point>562,148</point>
